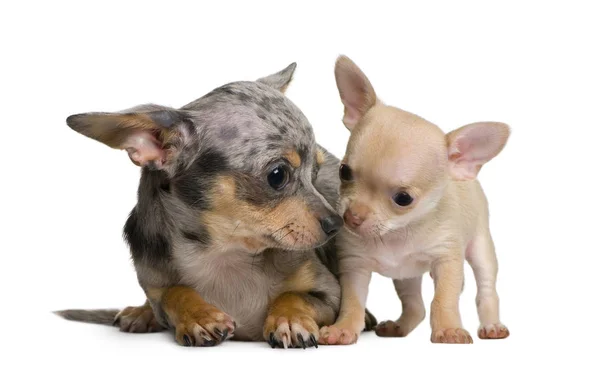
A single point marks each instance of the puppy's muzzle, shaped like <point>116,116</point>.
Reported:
<point>331,224</point>
<point>352,219</point>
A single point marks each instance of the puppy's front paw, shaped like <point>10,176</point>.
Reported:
<point>337,335</point>
<point>451,336</point>
<point>137,320</point>
<point>204,326</point>
<point>291,331</point>
<point>392,329</point>
<point>493,331</point>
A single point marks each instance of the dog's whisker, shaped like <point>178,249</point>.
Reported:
<point>234,229</point>
<point>285,235</point>
<point>278,230</point>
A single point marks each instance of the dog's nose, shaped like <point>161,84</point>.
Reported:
<point>331,224</point>
<point>353,220</point>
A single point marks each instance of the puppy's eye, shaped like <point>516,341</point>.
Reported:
<point>345,172</point>
<point>403,199</point>
<point>278,178</point>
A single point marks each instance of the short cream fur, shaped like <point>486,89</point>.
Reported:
<point>392,151</point>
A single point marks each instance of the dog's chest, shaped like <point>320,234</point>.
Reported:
<point>232,282</point>
<point>397,258</point>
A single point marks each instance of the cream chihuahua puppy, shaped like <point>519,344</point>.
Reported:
<point>412,204</point>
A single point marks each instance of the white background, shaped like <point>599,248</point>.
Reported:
<point>533,65</point>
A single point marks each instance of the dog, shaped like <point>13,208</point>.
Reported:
<point>412,204</point>
<point>235,216</point>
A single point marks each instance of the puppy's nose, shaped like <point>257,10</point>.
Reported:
<point>331,224</point>
<point>353,220</point>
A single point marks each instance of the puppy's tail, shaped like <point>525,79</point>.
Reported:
<point>105,317</point>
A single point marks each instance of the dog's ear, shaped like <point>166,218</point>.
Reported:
<point>280,80</point>
<point>473,145</point>
<point>356,91</point>
<point>150,137</point>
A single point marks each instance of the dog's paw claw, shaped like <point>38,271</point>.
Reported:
<point>493,331</point>
<point>204,328</point>
<point>301,340</point>
<point>297,332</point>
<point>222,335</point>
<point>451,335</point>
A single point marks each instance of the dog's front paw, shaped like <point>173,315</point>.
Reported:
<point>337,335</point>
<point>493,331</point>
<point>204,326</point>
<point>450,335</point>
<point>137,320</point>
<point>291,331</point>
<point>370,321</point>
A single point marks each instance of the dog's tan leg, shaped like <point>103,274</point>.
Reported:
<point>351,320</point>
<point>413,309</point>
<point>138,320</point>
<point>196,322</point>
<point>481,256</point>
<point>446,324</point>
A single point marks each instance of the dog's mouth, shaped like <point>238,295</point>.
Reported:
<point>297,237</point>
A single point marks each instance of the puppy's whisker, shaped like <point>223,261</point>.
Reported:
<point>387,229</point>
<point>381,239</point>
<point>374,241</point>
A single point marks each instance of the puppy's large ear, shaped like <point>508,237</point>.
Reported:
<point>149,136</point>
<point>280,80</point>
<point>356,91</point>
<point>473,145</point>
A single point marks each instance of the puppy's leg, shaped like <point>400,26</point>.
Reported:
<point>446,325</point>
<point>196,322</point>
<point>351,321</point>
<point>481,256</point>
<point>138,319</point>
<point>413,309</point>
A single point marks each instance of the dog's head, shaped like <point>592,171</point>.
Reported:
<point>397,165</point>
<point>241,160</point>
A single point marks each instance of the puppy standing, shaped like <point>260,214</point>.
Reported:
<point>412,204</point>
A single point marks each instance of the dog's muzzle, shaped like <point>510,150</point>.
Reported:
<point>331,224</point>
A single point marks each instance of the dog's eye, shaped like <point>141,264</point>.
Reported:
<point>403,199</point>
<point>345,172</point>
<point>278,178</point>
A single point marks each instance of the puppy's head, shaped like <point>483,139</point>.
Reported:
<point>241,160</point>
<point>397,165</point>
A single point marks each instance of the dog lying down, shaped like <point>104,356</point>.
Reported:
<point>235,216</point>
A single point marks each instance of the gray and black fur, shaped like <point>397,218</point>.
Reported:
<point>178,230</point>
